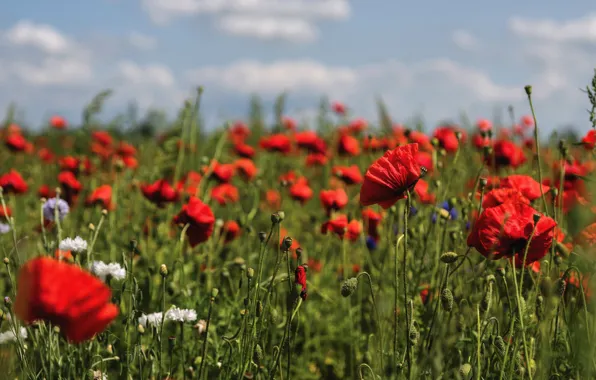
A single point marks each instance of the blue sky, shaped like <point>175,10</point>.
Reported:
<point>433,58</point>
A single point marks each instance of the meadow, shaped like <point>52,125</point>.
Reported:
<point>345,249</point>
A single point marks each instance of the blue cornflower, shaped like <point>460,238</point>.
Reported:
<point>371,243</point>
<point>446,205</point>
<point>50,206</point>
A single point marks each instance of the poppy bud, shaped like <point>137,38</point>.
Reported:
<point>449,257</point>
<point>414,335</point>
<point>465,370</point>
<point>458,135</point>
<point>491,278</point>
<point>561,249</point>
<point>163,270</point>
<point>6,260</point>
<point>258,354</point>
<point>499,345</point>
<point>250,273</point>
<point>7,301</point>
<point>299,253</point>
<point>558,260</point>
<point>277,217</point>
<point>435,142</point>
<point>259,309</point>
<point>536,218</point>
<point>104,212</point>
<point>482,183</point>
<point>91,227</point>
<point>528,89</point>
<point>287,243</point>
<point>262,236</point>
<point>501,272</point>
<point>561,286</point>
<point>447,299</point>
<point>141,329</point>
<point>349,286</point>
<point>214,293</point>
<point>110,349</point>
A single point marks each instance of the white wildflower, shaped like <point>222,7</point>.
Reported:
<point>78,244</point>
<point>103,270</point>
<point>9,336</point>
<point>98,375</point>
<point>201,326</point>
<point>181,315</point>
<point>153,319</point>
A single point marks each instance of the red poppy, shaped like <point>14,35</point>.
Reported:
<point>289,123</point>
<point>310,141</point>
<point>300,279</point>
<point>273,199</point>
<point>372,220</point>
<point>421,191</point>
<point>276,143</point>
<point>587,237</point>
<point>447,139</point>
<point>339,108</point>
<point>421,139</point>
<point>339,225</point>
<point>589,140</point>
<point>45,155</point>
<point>505,230</point>
<point>189,183</point>
<point>484,125</point>
<point>526,185</point>
<point>350,175</point>
<point>221,172</point>
<point>125,149</point>
<point>497,197</point>
<point>315,265</point>
<point>63,255</point>
<point>160,192</point>
<point>357,125</point>
<point>506,154</point>
<point>348,146</point>
<point>239,132</point>
<point>101,196</point>
<point>480,142</point>
<point>5,215</point>
<point>102,138</point>
<point>527,121</point>
<point>231,230</point>
<point>71,187</point>
<point>388,178</point>
<point>46,192</point>
<point>200,219</point>
<point>333,200</point>
<point>246,168</point>
<point>424,294</point>
<point>58,122</point>
<point>425,160</point>
<point>244,150</point>
<point>316,159</point>
<point>225,193</point>
<point>66,296</point>
<point>300,190</point>
<point>354,230</point>
<point>13,182</point>
<point>16,142</point>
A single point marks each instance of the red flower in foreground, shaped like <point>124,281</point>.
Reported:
<point>300,279</point>
<point>389,177</point>
<point>200,219</point>
<point>497,197</point>
<point>13,182</point>
<point>160,192</point>
<point>64,295</point>
<point>526,185</point>
<point>504,231</point>
<point>589,140</point>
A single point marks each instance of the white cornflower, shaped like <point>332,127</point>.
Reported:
<point>181,315</point>
<point>9,336</point>
<point>77,244</point>
<point>103,270</point>
<point>153,319</point>
<point>201,326</point>
<point>49,209</point>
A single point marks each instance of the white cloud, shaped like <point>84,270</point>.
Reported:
<point>291,20</point>
<point>464,40</point>
<point>148,75</point>
<point>41,36</point>
<point>54,71</point>
<point>578,30</point>
<point>267,28</point>
<point>142,41</point>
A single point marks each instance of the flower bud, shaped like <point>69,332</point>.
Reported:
<point>141,329</point>
<point>259,309</point>
<point>349,286</point>
<point>91,227</point>
<point>214,292</point>
<point>447,299</point>
<point>499,345</point>
<point>561,286</point>
<point>482,183</point>
<point>6,261</point>
<point>277,217</point>
<point>414,335</point>
<point>528,89</point>
<point>163,270</point>
<point>465,370</point>
<point>104,212</point>
<point>250,273</point>
<point>287,243</point>
<point>449,257</point>
<point>262,236</point>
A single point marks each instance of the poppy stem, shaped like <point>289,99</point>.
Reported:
<point>204,350</point>
<point>396,299</point>
<point>379,327</point>
<point>405,284</point>
<point>537,143</point>
<point>521,319</point>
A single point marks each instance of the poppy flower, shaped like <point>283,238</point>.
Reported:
<point>200,219</point>
<point>45,155</point>
<point>357,125</point>
<point>480,142</point>
<point>13,182</point>
<point>354,230</point>
<point>333,200</point>
<point>339,108</point>
<point>46,192</point>
<point>246,168</point>
<point>301,191</point>
<point>221,172</point>
<point>587,237</point>
<point>239,132</point>
<point>423,141</point>
<point>526,185</point>
<point>189,183</point>
<point>316,159</point>
<point>244,150</point>
<point>372,220</point>
<point>348,146</point>
<point>527,121</point>
<point>506,154</point>
<point>589,140</point>
<point>350,175</point>
<point>289,123</point>
<point>101,196</point>
<point>276,143</point>
<point>103,138</point>
<point>314,265</point>
<point>64,295</point>
<point>310,141</point>
<point>70,185</point>
<point>300,279</point>
<point>484,125</point>
<point>288,177</point>
<point>15,142</point>
<point>58,122</point>
<point>130,162</point>
<point>125,149</point>
<point>421,192</point>
<point>504,231</point>
<point>447,139</point>
<point>225,193</point>
<point>388,178</point>
<point>338,225</point>
<point>273,199</point>
<point>497,197</point>
<point>231,230</point>
<point>160,192</point>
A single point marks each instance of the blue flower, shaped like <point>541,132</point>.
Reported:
<point>371,243</point>
<point>453,213</point>
<point>49,208</point>
<point>4,228</point>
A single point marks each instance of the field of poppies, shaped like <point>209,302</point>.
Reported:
<point>346,249</point>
